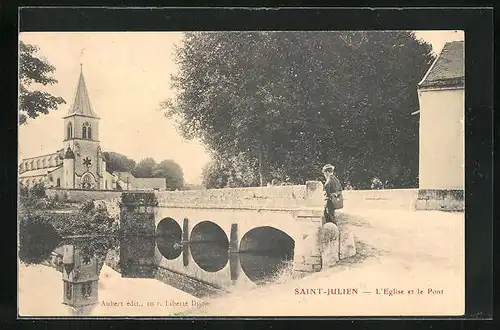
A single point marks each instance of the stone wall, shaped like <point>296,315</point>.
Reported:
<point>185,283</point>
<point>441,199</point>
<point>403,199</point>
<point>81,195</point>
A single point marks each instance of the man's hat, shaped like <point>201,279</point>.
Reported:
<point>328,167</point>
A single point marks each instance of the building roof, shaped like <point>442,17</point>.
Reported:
<point>141,183</point>
<point>69,154</point>
<point>448,70</point>
<point>38,172</point>
<point>124,176</point>
<point>40,156</point>
<point>149,183</point>
<point>59,250</point>
<point>81,102</point>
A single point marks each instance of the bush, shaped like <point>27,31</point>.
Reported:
<point>35,215</point>
<point>38,190</point>
<point>34,197</point>
<point>88,220</point>
<point>87,206</point>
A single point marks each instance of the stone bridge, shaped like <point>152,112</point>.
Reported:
<point>217,236</point>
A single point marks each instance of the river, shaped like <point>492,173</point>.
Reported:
<point>98,276</point>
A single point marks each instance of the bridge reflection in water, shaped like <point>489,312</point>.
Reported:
<point>260,256</point>
<point>263,253</point>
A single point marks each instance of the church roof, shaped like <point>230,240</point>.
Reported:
<point>81,102</point>
<point>124,176</point>
<point>448,70</point>
<point>69,154</point>
<point>38,172</point>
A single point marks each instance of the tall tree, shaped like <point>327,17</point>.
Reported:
<point>33,69</point>
<point>145,168</point>
<point>172,172</point>
<point>116,162</point>
<point>229,172</point>
<point>294,101</point>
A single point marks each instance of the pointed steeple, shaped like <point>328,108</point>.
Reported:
<point>81,102</point>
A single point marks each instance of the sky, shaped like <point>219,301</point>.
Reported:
<point>127,76</point>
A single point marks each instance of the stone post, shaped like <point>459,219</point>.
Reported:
<point>314,193</point>
<point>329,241</point>
<point>307,256</point>
<point>185,242</point>
<point>234,261</point>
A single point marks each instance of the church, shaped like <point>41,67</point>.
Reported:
<point>80,163</point>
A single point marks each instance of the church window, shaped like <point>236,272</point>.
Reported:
<point>86,131</point>
<point>86,289</point>
<point>58,182</point>
<point>86,259</point>
<point>38,165</point>
<point>86,182</point>
<point>70,131</point>
<point>68,290</point>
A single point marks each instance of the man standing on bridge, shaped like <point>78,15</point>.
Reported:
<point>333,194</point>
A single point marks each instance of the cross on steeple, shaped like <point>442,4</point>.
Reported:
<point>81,102</point>
<point>81,57</point>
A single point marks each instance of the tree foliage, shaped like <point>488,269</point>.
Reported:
<point>291,102</point>
<point>172,172</point>
<point>168,169</point>
<point>116,162</point>
<point>145,168</point>
<point>237,171</point>
<point>33,69</point>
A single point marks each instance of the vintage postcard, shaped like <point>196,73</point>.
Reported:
<point>241,173</point>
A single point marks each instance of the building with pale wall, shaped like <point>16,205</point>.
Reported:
<point>442,106</point>
<point>80,163</point>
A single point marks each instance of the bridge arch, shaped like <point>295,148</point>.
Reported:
<point>264,251</point>
<point>168,238</point>
<point>209,246</point>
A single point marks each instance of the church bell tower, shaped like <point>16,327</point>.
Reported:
<point>80,280</point>
<point>81,141</point>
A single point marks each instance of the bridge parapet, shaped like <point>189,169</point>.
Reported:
<point>279,197</point>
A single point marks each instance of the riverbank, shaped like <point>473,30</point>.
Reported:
<point>401,255</point>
